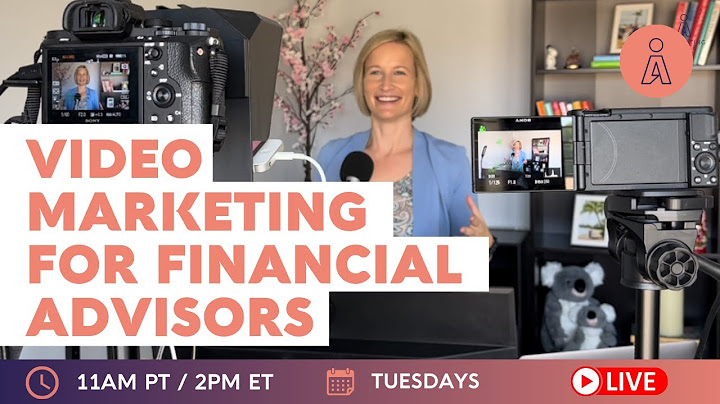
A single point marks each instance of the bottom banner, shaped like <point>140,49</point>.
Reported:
<point>357,381</point>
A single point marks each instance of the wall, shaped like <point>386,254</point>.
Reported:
<point>478,54</point>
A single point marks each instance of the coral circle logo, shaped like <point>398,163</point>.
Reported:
<point>586,381</point>
<point>656,61</point>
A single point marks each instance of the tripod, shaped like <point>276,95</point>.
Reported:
<point>650,235</point>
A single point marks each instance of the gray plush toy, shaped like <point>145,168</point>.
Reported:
<point>595,327</point>
<point>571,287</point>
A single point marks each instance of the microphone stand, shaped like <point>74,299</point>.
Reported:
<point>650,235</point>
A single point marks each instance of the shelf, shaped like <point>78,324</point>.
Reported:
<point>556,242</point>
<point>600,71</point>
<point>510,237</point>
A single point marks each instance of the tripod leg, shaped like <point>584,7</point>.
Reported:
<point>647,319</point>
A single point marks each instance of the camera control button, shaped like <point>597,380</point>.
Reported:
<point>698,180</point>
<point>713,146</point>
<point>163,95</point>
<point>153,118</point>
<point>705,163</point>
<point>170,118</point>
<point>154,53</point>
<point>696,146</point>
<point>713,180</point>
<point>153,73</point>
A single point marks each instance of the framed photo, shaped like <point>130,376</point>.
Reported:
<point>628,19</point>
<point>589,227</point>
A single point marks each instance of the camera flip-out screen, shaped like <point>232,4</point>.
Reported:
<point>521,154</point>
<point>91,85</point>
<point>626,149</point>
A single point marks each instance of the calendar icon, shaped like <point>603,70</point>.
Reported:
<point>340,382</point>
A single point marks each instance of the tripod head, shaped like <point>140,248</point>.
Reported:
<point>651,234</point>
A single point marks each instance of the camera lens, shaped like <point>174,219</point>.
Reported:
<point>705,163</point>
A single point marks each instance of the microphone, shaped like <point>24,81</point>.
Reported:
<point>357,167</point>
<point>77,100</point>
<point>482,157</point>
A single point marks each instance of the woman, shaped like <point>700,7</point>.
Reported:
<point>518,157</point>
<point>88,98</point>
<point>431,176</point>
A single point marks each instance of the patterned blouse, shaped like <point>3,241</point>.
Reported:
<point>403,207</point>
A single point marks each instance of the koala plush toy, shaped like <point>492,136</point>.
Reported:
<point>571,288</point>
<point>595,327</point>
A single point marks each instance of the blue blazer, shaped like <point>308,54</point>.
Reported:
<point>521,159</point>
<point>441,180</point>
<point>93,101</point>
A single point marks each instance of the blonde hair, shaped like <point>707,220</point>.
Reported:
<point>422,83</point>
<point>517,141</point>
<point>81,67</point>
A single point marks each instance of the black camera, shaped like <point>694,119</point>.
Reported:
<point>111,64</point>
<point>631,149</point>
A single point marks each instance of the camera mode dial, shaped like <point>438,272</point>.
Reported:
<point>195,26</point>
<point>705,162</point>
<point>165,32</point>
<point>157,23</point>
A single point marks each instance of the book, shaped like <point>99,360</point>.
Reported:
<point>710,34</point>
<point>698,23</point>
<point>692,8</point>
<point>577,105</point>
<point>703,33</point>
<point>540,108</point>
<point>563,108</point>
<point>569,106</point>
<point>604,65</point>
<point>606,58</point>
<point>548,109</point>
<point>556,108</point>
<point>681,10</point>
<point>107,86</point>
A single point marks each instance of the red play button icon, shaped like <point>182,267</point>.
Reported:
<point>586,381</point>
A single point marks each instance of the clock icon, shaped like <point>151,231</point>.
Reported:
<point>42,382</point>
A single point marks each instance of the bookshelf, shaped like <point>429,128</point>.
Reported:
<point>603,71</point>
<point>587,25</point>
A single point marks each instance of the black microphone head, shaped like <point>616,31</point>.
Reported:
<point>77,97</point>
<point>357,166</point>
<point>484,150</point>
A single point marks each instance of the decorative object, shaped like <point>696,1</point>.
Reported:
<point>628,19</point>
<point>550,58</point>
<point>309,100</point>
<point>589,224</point>
<point>573,60</point>
<point>573,319</point>
<point>672,310</point>
<point>595,327</point>
<point>701,239</point>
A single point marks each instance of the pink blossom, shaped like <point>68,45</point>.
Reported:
<point>297,34</point>
<point>309,101</point>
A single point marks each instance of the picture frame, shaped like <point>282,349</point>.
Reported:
<point>589,225</point>
<point>628,19</point>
